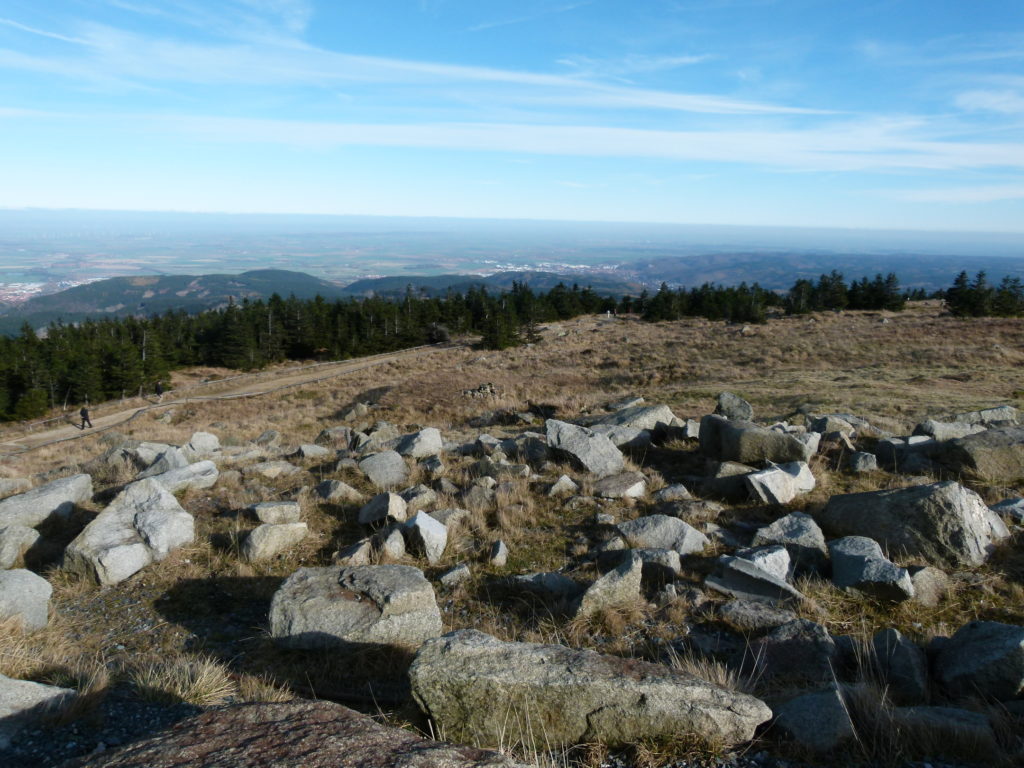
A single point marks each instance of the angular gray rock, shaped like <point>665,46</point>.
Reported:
<point>773,559</point>
<point>947,430</point>
<point>640,417</point>
<point>620,586</point>
<point>143,524</point>
<point>733,407</point>
<point>477,688</point>
<point>861,461</point>
<point>797,652</point>
<point>295,734</point>
<point>663,532</point>
<point>171,458</point>
<point>385,470</point>
<point>24,705</point>
<point>310,451</point>
<point>335,437</point>
<point>357,553</point>
<point>780,484</point>
<point>830,423</point>
<point>271,470</point>
<point>270,539</point>
<point>625,437</point>
<point>277,512</point>
<point>425,534</point>
<point>1012,508</point>
<point>944,523</point>
<point>747,443</point>
<point>419,445</point>
<point>751,617</point>
<point>742,579</point>
<point>931,584</point>
<point>625,485</point>
<point>25,596</point>
<point>549,586</point>
<point>53,501</point>
<point>337,492</point>
<point>858,563</point>
<point>384,506</point>
<point>418,497</point>
<point>198,476</point>
<point>801,537</point>
<point>456,575</point>
<point>674,492</point>
<point>593,452</point>
<point>985,658</point>
<point>988,416</point>
<point>498,555</point>
<point>15,541</point>
<point>332,607</point>
<point>902,667</point>
<point>563,486</point>
<point>818,721</point>
<point>203,444</point>
<point>996,454</point>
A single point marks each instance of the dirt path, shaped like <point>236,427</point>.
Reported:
<point>109,415</point>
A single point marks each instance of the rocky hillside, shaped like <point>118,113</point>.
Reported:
<point>679,544</point>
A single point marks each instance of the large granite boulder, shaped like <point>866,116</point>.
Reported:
<point>984,658</point>
<point>334,607</point>
<point>589,450</point>
<point>944,523</point>
<point>198,476</point>
<point>270,539</point>
<point>741,441</point>
<point>733,407</point>
<point>295,734</point>
<point>996,454</point>
<point>52,501</point>
<point>480,689</point>
<point>744,579</point>
<point>663,532</point>
<point>641,417</point>
<point>171,458</point>
<point>25,596</point>
<point>801,537</point>
<point>858,563</point>
<point>142,525</point>
<point>780,484</point>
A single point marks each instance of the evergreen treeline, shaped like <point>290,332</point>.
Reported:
<point>832,292</point>
<point>102,359</point>
<point>977,298</point>
<point>739,304</point>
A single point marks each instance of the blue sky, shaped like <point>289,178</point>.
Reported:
<point>894,114</point>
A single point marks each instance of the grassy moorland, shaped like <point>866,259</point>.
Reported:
<point>193,627</point>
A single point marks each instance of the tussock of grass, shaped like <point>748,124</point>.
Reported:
<point>203,682</point>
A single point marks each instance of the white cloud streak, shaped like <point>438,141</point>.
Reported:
<point>39,32</point>
<point>982,194</point>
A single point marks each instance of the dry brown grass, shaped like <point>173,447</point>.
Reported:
<point>919,364</point>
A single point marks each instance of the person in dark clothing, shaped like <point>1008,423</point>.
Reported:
<point>84,413</point>
<point>159,391</point>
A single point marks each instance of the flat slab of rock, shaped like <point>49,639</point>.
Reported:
<point>782,483</point>
<point>476,687</point>
<point>743,579</point>
<point>25,596</point>
<point>801,537</point>
<point>54,500</point>
<point>944,523</point>
<point>640,417</point>
<point>296,734</point>
<point>663,532</point>
<point>338,606</point>
<point>202,474</point>
<point>277,512</point>
<point>593,452</point>
<point>385,470</point>
<point>23,704</point>
<point>142,525</point>
<point>271,469</point>
<point>625,485</point>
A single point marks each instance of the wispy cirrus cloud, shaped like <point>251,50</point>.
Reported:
<point>1008,102</point>
<point>528,17</point>
<point>108,54</point>
<point>630,64</point>
<point>978,194</point>
<point>39,32</point>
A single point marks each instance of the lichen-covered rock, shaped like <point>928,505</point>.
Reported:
<point>386,469</point>
<point>747,443</point>
<point>620,586</point>
<point>477,688</point>
<point>271,539</point>
<point>331,607</point>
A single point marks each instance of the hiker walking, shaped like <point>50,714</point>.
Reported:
<point>159,391</point>
<point>84,413</point>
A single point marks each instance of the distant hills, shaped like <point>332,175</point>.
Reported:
<point>156,294</point>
